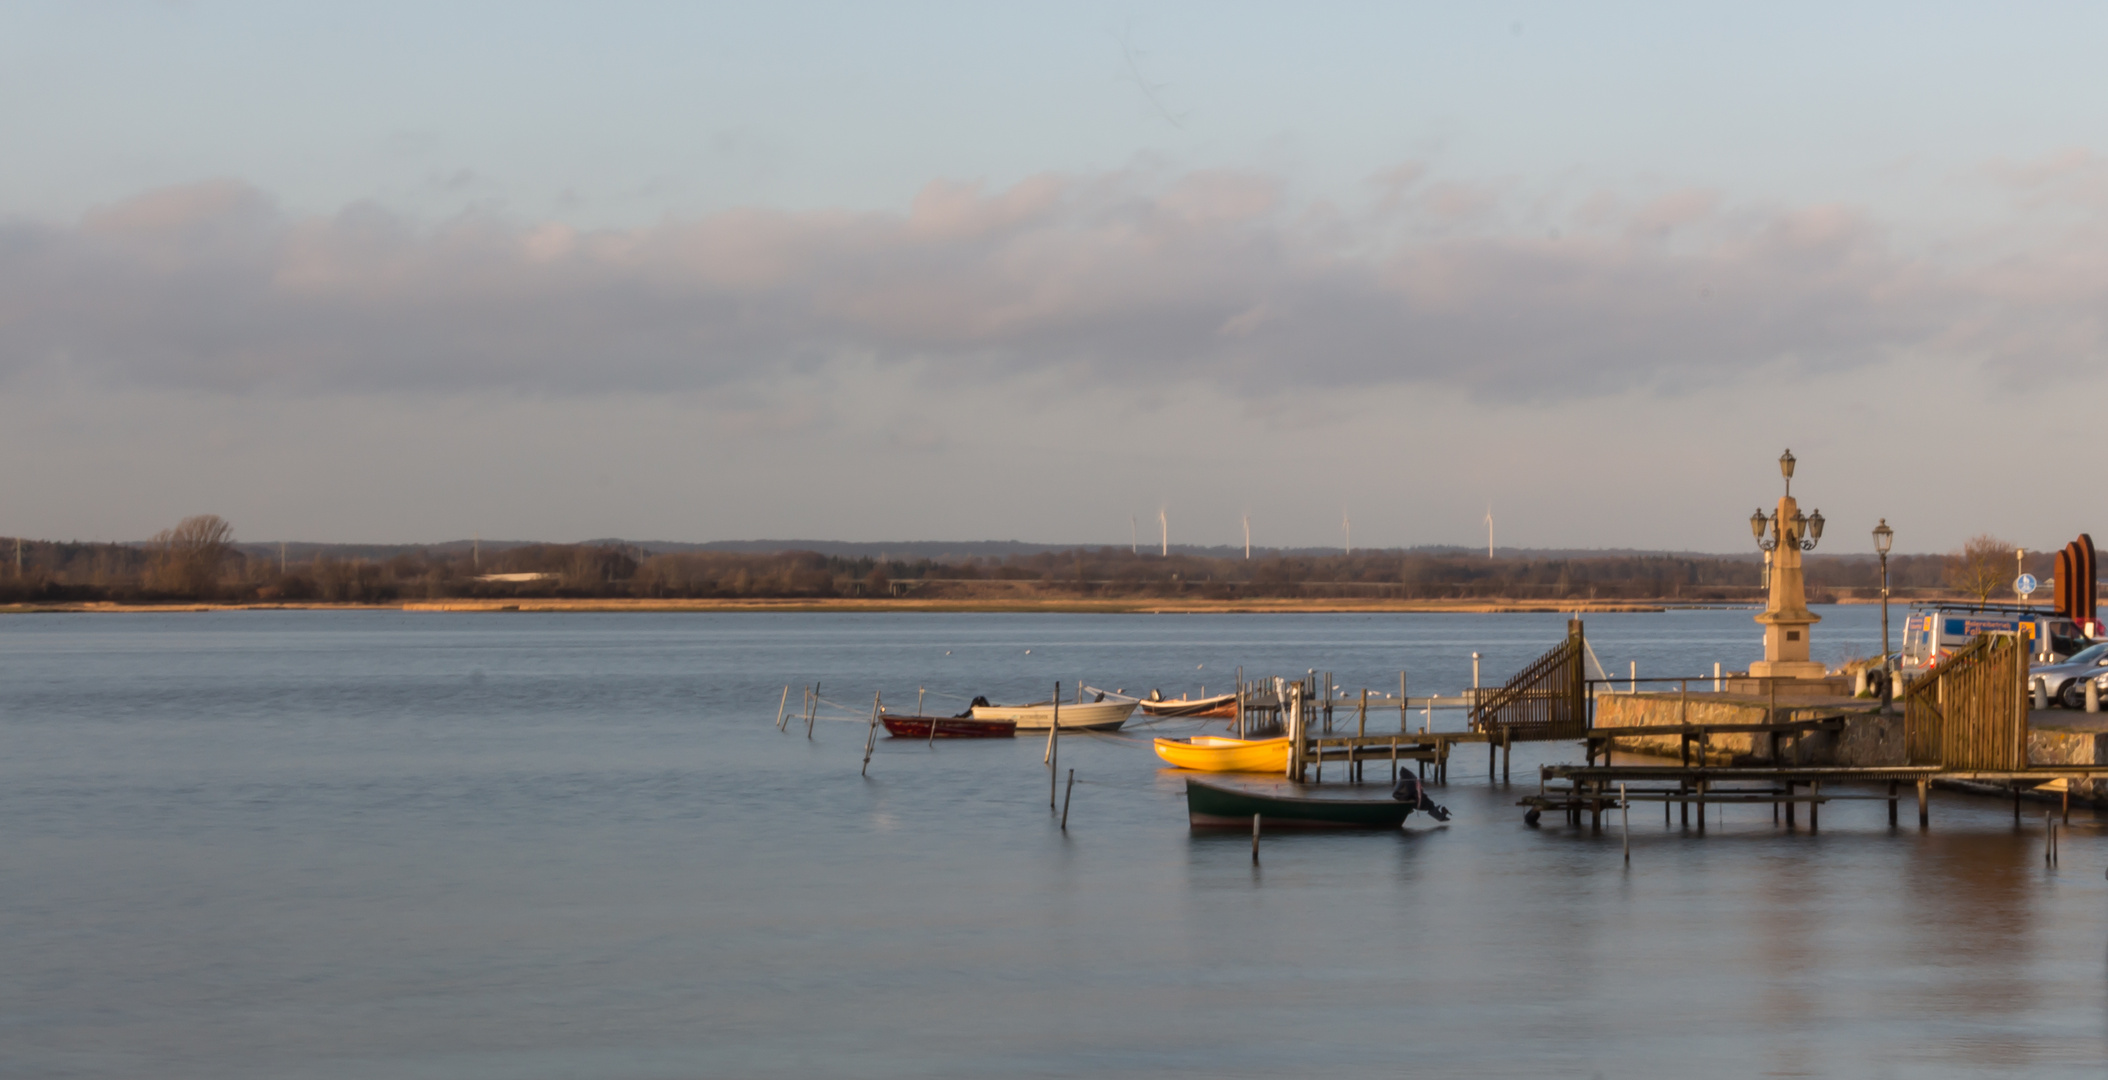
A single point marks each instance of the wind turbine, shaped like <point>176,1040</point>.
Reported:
<point>1347,527</point>
<point>1163,525</point>
<point>1134,539</point>
<point>1247,536</point>
<point>1489,530</point>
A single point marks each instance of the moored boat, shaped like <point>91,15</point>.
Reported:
<point>1212,753</point>
<point>1077,716</point>
<point>1219,706</point>
<point>948,727</point>
<point>1288,805</point>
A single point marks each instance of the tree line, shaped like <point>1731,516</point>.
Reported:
<point>199,559</point>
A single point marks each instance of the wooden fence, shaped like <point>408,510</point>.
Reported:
<point>1971,712</point>
<point>1546,700</point>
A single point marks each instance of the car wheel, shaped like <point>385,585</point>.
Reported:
<point>2072,695</point>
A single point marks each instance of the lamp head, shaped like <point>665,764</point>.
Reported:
<point>1883,537</point>
<point>1757,521</point>
<point>1815,527</point>
<point>1786,464</point>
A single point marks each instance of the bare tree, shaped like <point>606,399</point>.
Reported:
<point>1980,568</point>
<point>191,553</point>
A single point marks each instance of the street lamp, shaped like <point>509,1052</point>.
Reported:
<point>1883,538</point>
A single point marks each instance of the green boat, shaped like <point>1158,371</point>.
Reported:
<point>1284,804</point>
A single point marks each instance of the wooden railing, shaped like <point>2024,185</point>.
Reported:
<point>1546,700</point>
<point>1970,713</point>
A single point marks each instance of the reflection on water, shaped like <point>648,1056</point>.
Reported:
<point>350,845</point>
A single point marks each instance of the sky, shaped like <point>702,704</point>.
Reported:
<point>387,272</point>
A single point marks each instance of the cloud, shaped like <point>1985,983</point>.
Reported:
<point>1115,280</point>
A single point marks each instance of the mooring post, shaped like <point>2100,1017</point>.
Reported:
<point>1255,839</point>
<point>1507,751</point>
<point>1404,719</point>
<point>2049,840</point>
<point>2067,800</point>
<point>1815,809</point>
<point>812,709</point>
<point>1701,806</point>
<point>1066,792</point>
<point>1924,810</point>
<point>1625,808</point>
<point>2016,805</point>
<point>870,738</point>
<point>1054,749</point>
<point>1892,804</point>
<point>781,705</point>
<point>1240,701</point>
<point>1789,804</point>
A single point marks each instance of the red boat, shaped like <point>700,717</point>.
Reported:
<point>948,727</point>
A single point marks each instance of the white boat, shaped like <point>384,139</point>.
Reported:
<point>1087,716</point>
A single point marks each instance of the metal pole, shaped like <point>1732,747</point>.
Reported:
<point>1884,613</point>
<point>1625,807</point>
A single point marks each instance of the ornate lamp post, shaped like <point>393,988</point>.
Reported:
<point>1786,618</point>
<point>1883,538</point>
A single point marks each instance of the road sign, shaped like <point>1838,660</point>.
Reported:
<point>2024,585</point>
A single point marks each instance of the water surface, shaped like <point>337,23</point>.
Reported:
<point>263,844</point>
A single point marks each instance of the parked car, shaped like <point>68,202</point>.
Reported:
<point>2065,681</point>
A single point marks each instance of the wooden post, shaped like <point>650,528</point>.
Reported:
<point>1054,748</point>
<point>2016,805</point>
<point>1815,809</point>
<point>812,709</point>
<point>1070,790</point>
<point>919,692</point>
<point>1507,751</point>
<point>1240,701</point>
<point>1892,804</point>
<point>1255,839</point>
<point>1625,808</point>
<point>1789,805</point>
<point>870,738</point>
<point>781,705</point>
<point>1701,806</point>
<point>1403,721</point>
<point>1924,810</point>
<point>2067,800</point>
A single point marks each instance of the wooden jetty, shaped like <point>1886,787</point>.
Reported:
<point>1964,723</point>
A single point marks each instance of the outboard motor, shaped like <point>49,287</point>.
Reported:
<point>978,700</point>
<point>1409,790</point>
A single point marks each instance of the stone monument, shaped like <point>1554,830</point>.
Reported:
<point>1786,618</point>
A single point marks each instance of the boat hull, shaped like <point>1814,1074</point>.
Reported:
<point>1218,707</point>
<point>1088,716</point>
<point>948,727</point>
<point>1207,754</point>
<point>1212,805</point>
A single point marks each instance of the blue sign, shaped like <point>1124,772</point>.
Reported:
<point>2024,584</point>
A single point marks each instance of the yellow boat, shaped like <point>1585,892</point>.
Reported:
<point>1213,753</point>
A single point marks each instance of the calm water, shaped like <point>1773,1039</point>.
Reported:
<point>418,845</point>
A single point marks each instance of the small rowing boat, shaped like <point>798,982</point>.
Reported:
<point>1077,716</point>
<point>1213,753</point>
<point>948,727</point>
<point>1219,706</point>
<point>1285,804</point>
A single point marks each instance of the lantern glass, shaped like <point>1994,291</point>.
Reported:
<point>1883,537</point>
<point>1815,525</point>
<point>1786,464</point>
<point>1756,525</point>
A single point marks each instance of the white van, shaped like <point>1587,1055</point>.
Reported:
<point>1931,634</point>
